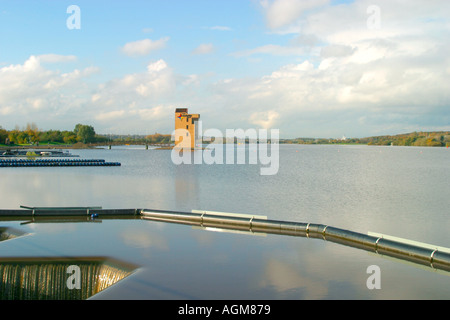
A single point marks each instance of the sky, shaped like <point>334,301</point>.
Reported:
<point>309,68</point>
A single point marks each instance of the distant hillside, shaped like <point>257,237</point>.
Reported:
<point>31,135</point>
<point>428,139</point>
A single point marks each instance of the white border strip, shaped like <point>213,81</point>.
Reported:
<point>411,242</point>
<point>228,214</point>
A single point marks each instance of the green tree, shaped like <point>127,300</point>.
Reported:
<point>69,137</point>
<point>3,135</point>
<point>12,136</point>
<point>77,128</point>
<point>51,136</point>
<point>85,133</point>
<point>22,138</point>
<point>33,132</point>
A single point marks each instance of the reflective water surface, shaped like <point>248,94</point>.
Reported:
<point>392,190</point>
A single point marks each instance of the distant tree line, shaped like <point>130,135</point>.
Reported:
<point>31,135</point>
<point>425,139</point>
<point>86,134</point>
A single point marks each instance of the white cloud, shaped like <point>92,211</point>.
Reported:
<point>36,103</point>
<point>157,66</point>
<point>144,47</point>
<point>280,13</point>
<point>265,119</point>
<point>156,81</point>
<point>70,77</point>
<point>204,48</point>
<point>56,58</point>
<point>112,115</point>
<point>221,28</point>
<point>31,92</point>
<point>336,51</point>
<point>310,98</point>
<point>6,110</point>
<point>156,113</point>
<point>398,69</point>
<point>357,80</point>
<point>140,101</point>
<point>272,49</point>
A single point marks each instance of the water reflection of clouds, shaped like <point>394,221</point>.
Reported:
<point>284,268</point>
<point>288,281</point>
<point>141,238</point>
<point>205,239</point>
<point>345,189</point>
<point>204,264</point>
<point>274,266</point>
<point>301,268</point>
<point>53,228</point>
<point>186,186</point>
<point>67,188</point>
<point>43,188</point>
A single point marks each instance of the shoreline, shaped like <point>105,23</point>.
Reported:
<point>71,147</point>
<point>80,147</point>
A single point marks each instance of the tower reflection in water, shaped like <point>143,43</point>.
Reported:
<point>50,278</point>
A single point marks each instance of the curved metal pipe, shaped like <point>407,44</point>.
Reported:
<point>433,258</point>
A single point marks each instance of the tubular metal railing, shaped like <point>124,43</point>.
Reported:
<point>419,253</point>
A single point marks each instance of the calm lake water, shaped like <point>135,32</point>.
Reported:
<point>398,191</point>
